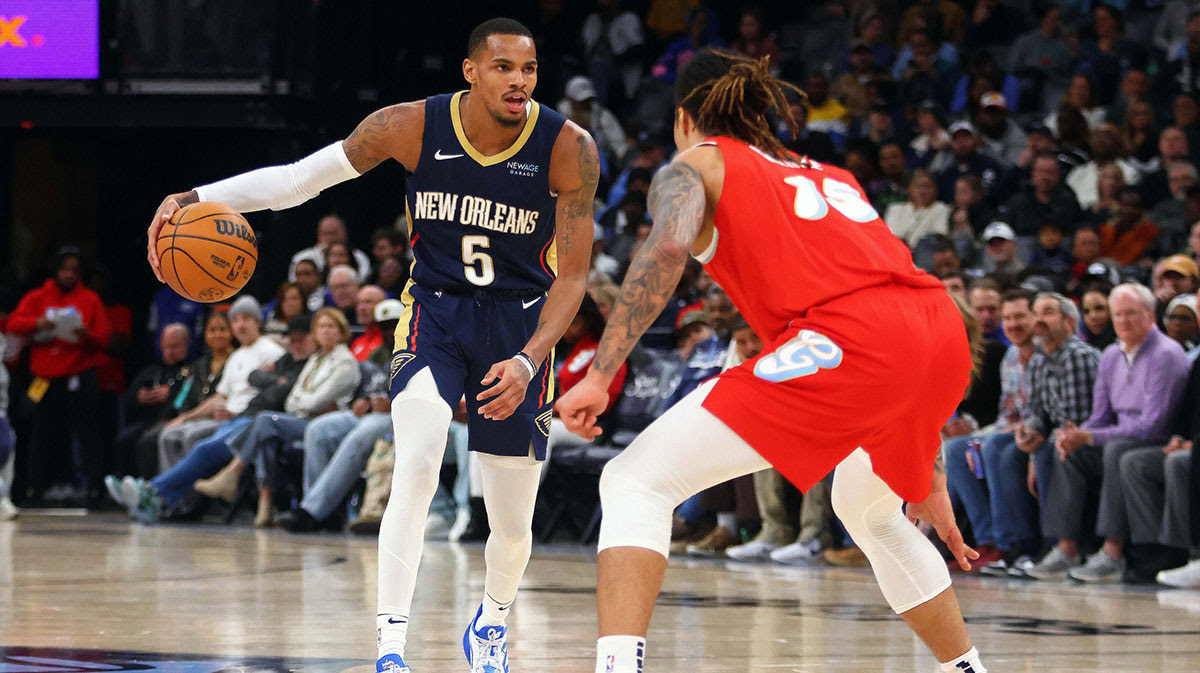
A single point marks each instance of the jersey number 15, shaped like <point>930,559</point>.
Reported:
<point>813,204</point>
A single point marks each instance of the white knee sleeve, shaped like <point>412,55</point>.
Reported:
<point>510,486</point>
<point>908,568</point>
<point>637,507</point>
<point>421,421</point>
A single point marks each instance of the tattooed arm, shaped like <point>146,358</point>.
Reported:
<point>574,173</point>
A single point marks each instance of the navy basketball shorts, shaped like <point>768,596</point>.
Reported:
<point>459,338</point>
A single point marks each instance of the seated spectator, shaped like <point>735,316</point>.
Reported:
<point>1171,213</point>
<point>343,292</point>
<point>931,147</point>
<point>922,215</point>
<point>1085,251</point>
<point>169,307</point>
<point>984,299</point>
<point>1180,323</point>
<point>825,114</point>
<point>807,142</point>
<point>1000,251</point>
<point>620,225</point>
<point>702,31</point>
<point>983,75</point>
<point>1079,96</point>
<point>392,276</point>
<point>1097,330</point>
<point>1105,146</point>
<point>368,298</point>
<point>1127,238</point>
<point>233,392</point>
<point>386,243</point>
<point>1173,148</point>
<point>1038,140</point>
<point>325,384</point>
<point>8,440</point>
<point>1158,484</point>
<point>873,32</point>
<point>1044,51</point>
<point>1074,138</point>
<point>1001,136</point>
<point>1050,252</point>
<point>1138,388</point>
<point>967,160</point>
<point>721,313</point>
<point>331,228</point>
<point>266,388</point>
<point>892,185</point>
<point>926,69</point>
<point>955,282</point>
<point>150,401</point>
<point>943,258</point>
<point>1135,86</point>
<point>1139,136</point>
<point>309,279</point>
<point>1046,199</point>
<point>1110,53</point>
<point>850,87</point>
<point>969,216</point>
<point>289,302</point>
<point>580,106</point>
<point>754,41</point>
<point>1173,276</point>
<point>338,254</point>
<point>1109,181</point>
<point>964,478</point>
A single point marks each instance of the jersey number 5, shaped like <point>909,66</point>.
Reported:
<point>486,273</point>
<point>813,204</point>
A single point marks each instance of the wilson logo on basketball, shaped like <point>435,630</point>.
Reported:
<point>230,228</point>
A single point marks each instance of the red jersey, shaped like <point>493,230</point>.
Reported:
<point>791,236</point>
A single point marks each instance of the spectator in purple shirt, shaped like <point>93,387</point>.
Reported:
<point>1138,387</point>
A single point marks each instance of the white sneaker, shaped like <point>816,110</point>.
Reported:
<point>1185,577</point>
<point>1054,566</point>
<point>798,553</point>
<point>8,511</point>
<point>754,549</point>
<point>131,493</point>
<point>462,521</point>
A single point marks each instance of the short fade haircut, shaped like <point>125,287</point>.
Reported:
<point>1018,294</point>
<point>497,26</point>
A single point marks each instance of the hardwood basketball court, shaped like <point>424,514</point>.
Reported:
<point>99,593</point>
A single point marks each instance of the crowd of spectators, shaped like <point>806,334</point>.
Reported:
<point>1039,158</point>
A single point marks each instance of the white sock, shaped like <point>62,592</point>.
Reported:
<point>620,654</point>
<point>728,520</point>
<point>510,483</point>
<point>494,612</point>
<point>392,633</point>
<point>967,663</point>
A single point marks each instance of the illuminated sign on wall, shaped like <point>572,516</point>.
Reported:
<point>49,39</point>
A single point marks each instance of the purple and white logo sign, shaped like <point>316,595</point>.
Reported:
<point>49,39</point>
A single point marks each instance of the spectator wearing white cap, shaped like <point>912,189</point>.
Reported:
<point>387,316</point>
<point>1000,135</point>
<point>580,106</point>
<point>1000,250</point>
<point>1179,322</point>
<point>968,160</point>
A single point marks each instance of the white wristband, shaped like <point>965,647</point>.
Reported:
<point>528,362</point>
<point>279,187</point>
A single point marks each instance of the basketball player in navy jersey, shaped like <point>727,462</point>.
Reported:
<point>499,199</point>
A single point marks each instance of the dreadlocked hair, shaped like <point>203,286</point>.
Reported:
<point>729,95</point>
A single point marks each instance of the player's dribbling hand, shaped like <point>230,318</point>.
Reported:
<point>936,510</point>
<point>580,407</point>
<point>511,378</point>
<point>166,209</point>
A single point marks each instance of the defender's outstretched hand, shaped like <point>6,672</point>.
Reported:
<point>580,407</point>
<point>937,511</point>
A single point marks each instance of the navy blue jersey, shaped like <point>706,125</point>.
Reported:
<point>483,222</point>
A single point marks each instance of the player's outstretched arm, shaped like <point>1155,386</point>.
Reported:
<point>387,133</point>
<point>677,204</point>
<point>574,173</point>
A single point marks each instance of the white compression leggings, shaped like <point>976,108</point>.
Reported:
<point>688,450</point>
<point>421,420</point>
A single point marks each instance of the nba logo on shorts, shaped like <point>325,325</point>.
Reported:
<point>611,663</point>
<point>808,353</point>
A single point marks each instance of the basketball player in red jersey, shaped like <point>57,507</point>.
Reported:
<point>866,358</point>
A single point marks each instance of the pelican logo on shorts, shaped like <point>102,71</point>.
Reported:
<point>808,353</point>
<point>543,422</point>
<point>399,360</point>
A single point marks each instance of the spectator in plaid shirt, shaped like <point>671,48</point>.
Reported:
<point>979,499</point>
<point>1062,374</point>
<point>1138,387</point>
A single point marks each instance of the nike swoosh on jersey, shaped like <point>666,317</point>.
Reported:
<point>531,302</point>
<point>442,157</point>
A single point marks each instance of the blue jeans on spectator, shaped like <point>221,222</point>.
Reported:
<point>270,433</point>
<point>205,459</point>
<point>1014,519</point>
<point>970,490</point>
<point>336,448</point>
<point>449,503</point>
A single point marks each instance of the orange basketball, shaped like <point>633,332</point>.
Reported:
<point>207,251</point>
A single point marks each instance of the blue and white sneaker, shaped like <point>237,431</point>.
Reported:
<point>141,500</point>
<point>391,663</point>
<point>486,647</point>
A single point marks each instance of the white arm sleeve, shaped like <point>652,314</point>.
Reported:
<point>279,187</point>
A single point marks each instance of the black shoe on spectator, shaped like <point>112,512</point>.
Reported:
<point>297,521</point>
<point>478,529</point>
